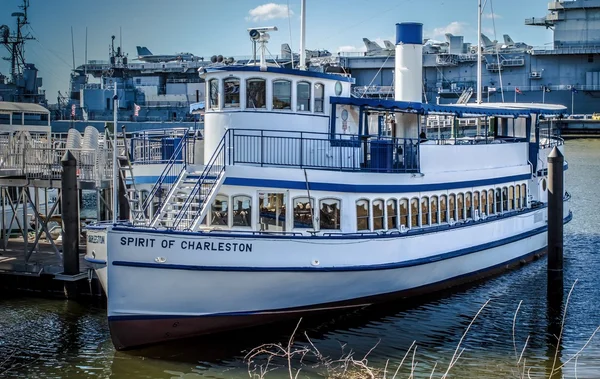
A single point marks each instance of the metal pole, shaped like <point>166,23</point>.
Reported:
<point>302,35</point>
<point>70,216</point>
<point>479,52</point>
<point>572,102</point>
<point>115,182</point>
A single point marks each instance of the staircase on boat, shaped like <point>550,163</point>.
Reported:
<point>188,201</point>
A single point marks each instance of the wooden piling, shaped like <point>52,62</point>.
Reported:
<point>70,218</point>
<point>555,210</point>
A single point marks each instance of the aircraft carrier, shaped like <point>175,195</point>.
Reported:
<point>567,73</point>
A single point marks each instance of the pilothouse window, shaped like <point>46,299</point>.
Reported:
<point>232,92</point>
<point>220,211</point>
<point>319,96</point>
<point>282,94</point>
<point>256,93</point>
<point>213,93</point>
<point>303,97</point>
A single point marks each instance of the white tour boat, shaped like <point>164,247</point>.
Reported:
<point>310,199</point>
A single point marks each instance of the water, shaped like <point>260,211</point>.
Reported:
<point>60,339</point>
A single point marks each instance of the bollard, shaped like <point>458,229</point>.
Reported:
<point>70,215</point>
<point>555,211</point>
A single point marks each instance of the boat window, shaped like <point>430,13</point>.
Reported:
<point>272,211</point>
<point>460,204</point>
<point>220,211</point>
<point>404,212</point>
<point>256,93</point>
<point>484,203</point>
<point>377,214</point>
<point>476,202</point>
<point>303,96</point>
<point>511,198</point>
<point>523,195</point>
<point>242,210</point>
<point>498,200</point>
<point>452,206</point>
<point>329,217</point>
<point>392,214</point>
<point>443,208</point>
<point>518,196</point>
<point>505,199</point>
<point>414,212</point>
<point>362,215</point>
<point>282,94</point>
<point>232,92</point>
<point>434,210</point>
<point>425,210</point>
<point>303,212</point>
<point>213,92</point>
<point>319,96</point>
<point>491,207</point>
<point>469,205</point>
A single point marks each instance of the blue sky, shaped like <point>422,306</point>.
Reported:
<point>212,27</point>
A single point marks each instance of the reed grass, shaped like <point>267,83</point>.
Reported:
<point>297,357</point>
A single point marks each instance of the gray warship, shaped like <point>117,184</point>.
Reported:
<point>567,73</point>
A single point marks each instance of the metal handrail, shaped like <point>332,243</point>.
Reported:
<point>219,155</point>
<point>167,172</point>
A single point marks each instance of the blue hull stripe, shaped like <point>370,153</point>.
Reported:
<point>386,266</point>
<point>370,188</point>
<point>258,313</point>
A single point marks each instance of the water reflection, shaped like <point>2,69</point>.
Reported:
<point>59,339</point>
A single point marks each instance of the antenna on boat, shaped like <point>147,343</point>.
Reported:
<point>479,52</point>
<point>261,36</point>
<point>114,160</point>
<point>302,65</point>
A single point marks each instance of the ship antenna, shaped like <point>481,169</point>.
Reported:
<point>302,35</point>
<point>479,52</point>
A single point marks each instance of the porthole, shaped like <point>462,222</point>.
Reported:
<point>338,88</point>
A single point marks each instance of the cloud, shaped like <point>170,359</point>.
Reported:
<point>269,11</point>
<point>455,27</point>
<point>490,16</point>
<point>351,49</point>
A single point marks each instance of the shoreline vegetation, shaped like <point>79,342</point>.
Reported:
<point>304,359</point>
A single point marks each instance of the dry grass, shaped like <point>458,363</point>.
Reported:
<point>296,357</point>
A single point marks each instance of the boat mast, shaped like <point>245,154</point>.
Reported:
<point>302,35</point>
<point>479,52</point>
<point>114,160</point>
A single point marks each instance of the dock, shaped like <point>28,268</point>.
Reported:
<point>40,275</point>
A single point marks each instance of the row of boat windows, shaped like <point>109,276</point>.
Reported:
<point>256,94</point>
<point>424,211</point>
<point>371,215</point>
<point>236,211</point>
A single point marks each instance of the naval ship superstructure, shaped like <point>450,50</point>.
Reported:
<point>22,84</point>
<point>567,73</point>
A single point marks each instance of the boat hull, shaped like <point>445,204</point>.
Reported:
<point>157,294</point>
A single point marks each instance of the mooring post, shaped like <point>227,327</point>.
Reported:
<point>555,214</point>
<point>70,215</point>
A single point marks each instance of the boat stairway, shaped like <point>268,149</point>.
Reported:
<point>184,201</point>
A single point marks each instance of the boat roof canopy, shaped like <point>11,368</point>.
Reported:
<point>460,110</point>
<point>9,107</point>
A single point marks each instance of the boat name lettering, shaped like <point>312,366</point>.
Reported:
<point>216,246</point>
<point>94,238</point>
<point>187,245</point>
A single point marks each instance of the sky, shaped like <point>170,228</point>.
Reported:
<point>213,27</point>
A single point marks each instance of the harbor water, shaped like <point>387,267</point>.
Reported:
<point>42,338</point>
